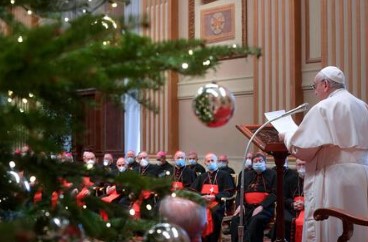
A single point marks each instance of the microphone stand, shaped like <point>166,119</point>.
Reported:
<point>300,108</point>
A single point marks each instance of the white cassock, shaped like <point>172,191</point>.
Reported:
<point>333,140</point>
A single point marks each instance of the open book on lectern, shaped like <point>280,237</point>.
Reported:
<point>282,125</point>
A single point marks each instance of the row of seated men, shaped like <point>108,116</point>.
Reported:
<point>215,183</point>
<point>260,197</point>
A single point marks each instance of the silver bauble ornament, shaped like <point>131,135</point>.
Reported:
<point>214,105</point>
<point>58,228</point>
<point>166,232</point>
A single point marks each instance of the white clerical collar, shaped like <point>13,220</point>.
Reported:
<point>336,91</point>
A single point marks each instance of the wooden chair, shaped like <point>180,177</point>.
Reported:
<point>348,220</point>
<point>229,211</point>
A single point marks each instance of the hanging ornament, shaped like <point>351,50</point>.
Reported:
<point>166,232</point>
<point>58,228</point>
<point>214,105</point>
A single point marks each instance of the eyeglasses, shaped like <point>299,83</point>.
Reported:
<point>314,85</point>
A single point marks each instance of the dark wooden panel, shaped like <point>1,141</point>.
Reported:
<point>103,127</point>
<point>114,128</point>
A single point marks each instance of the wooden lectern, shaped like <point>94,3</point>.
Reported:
<point>268,141</point>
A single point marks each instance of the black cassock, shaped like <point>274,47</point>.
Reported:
<point>226,188</point>
<point>265,182</point>
<point>291,189</point>
<point>197,168</point>
<point>165,169</point>
<point>183,175</point>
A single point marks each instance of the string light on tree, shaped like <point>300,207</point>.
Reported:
<point>114,5</point>
<point>185,66</point>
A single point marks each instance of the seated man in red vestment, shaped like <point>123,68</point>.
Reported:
<point>259,200</point>
<point>214,185</point>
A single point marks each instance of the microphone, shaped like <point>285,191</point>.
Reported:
<point>301,108</point>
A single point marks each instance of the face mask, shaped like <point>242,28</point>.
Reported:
<point>301,172</point>
<point>212,166</point>
<point>122,168</point>
<point>221,164</point>
<point>259,167</point>
<point>130,160</point>
<point>106,162</point>
<point>143,162</point>
<point>248,162</point>
<point>90,162</point>
<point>159,162</point>
<point>192,162</point>
<point>180,162</point>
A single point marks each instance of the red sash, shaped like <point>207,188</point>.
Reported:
<point>87,181</point>
<point>210,189</point>
<point>176,186</point>
<point>104,215</point>
<point>145,194</point>
<point>299,221</point>
<point>255,197</point>
<point>111,197</point>
<point>108,199</point>
<point>54,199</point>
<point>209,226</point>
<point>81,195</point>
<point>64,183</point>
<point>37,197</point>
<point>55,195</point>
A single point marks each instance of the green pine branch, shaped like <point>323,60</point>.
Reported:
<point>41,71</point>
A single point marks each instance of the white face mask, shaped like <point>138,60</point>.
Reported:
<point>91,162</point>
<point>122,168</point>
<point>248,162</point>
<point>106,162</point>
<point>301,172</point>
<point>143,162</point>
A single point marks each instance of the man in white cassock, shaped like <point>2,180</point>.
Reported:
<point>333,140</point>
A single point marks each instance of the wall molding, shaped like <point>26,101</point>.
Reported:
<point>238,86</point>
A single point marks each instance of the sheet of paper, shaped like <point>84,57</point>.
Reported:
<point>282,125</point>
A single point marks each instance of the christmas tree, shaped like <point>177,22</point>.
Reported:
<point>41,70</point>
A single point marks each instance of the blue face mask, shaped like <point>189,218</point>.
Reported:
<point>212,166</point>
<point>130,160</point>
<point>221,164</point>
<point>180,162</point>
<point>192,162</point>
<point>259,167</point>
